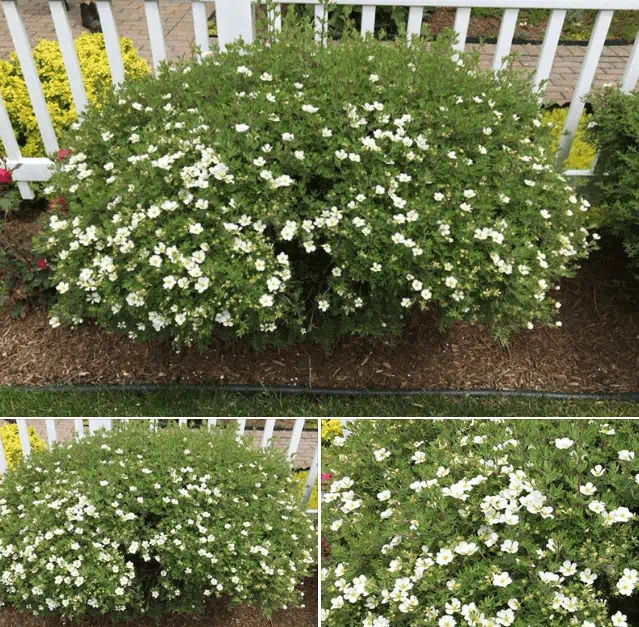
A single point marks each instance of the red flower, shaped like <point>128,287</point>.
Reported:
<point>326,477</point>
<point>63,154</point>
<point>59,203</point>
<point>5,176</point>
<point>42,263</point>
<point>326,548</point>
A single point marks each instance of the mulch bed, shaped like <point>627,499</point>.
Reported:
<point>596,350</point>
<point>217,615</point>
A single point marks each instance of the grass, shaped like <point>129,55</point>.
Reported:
<point>180,403</point>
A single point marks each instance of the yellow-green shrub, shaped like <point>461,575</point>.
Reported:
<point>57,91</point>
<point>301,476</point>
<point>581,153</point>
<point>11,443</point>
<point>331,429</point>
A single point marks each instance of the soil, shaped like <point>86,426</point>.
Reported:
<point>596,350</point>
<point>217,615</point>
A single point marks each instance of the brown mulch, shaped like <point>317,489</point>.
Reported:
<point>217,615</point>
<point>596,350</point>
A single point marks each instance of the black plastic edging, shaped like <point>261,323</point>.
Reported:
<point>300,390</point>
<point>519,41</point>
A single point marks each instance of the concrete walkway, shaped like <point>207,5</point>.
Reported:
<point>281,437</point>
<point>178,33</point>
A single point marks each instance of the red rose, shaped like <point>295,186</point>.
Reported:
<point>5,176</point>
<point>326,477</point>
<point>42,263</point>
<point>63,154</point>
<point>59,203</point>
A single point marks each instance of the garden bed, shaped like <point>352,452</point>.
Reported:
<point>218,614</point>
<point>595,350</point>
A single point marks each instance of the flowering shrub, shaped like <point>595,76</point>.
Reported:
<point>136,522</point>
<point>11,443</point>
<point>57,91</point>
<point>615,133</point>
<point>481,523</point>
<point>283,189</point>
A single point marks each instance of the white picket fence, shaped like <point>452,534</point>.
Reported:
<point>268,433</point>
<point>236,18</point>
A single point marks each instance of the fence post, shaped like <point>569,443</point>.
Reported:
<point>235,19</point>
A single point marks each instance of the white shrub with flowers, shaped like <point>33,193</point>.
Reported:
<point>137,522</point>
<point>285,189</point>
<point>482,523</point>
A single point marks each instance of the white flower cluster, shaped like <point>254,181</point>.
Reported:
<point>438,522</point>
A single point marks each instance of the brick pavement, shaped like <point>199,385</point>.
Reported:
<point>281,437</point>
<point>178,33</point>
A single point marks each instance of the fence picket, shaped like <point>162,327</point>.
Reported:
<point>269,427</point>
<point>200,26</point>
<point>368,20</point>
<point>241,426</point>
<point>182,421</point>
<point>99,423</point>
<point>631,73</point>
<point>27,64</point>
<point>3,459</point>
<point>156,32</point>
<point>415,15</point>
<point>212,422</point>
<point>505,37</point>
<point>275,17</point>
<point>549,49</point>
<point>312,478</point>
<point>320,17</point>
<point>584,82</point>
<point>111,41</point>
<point>296,436</point>
<point>78,423</point>
<point>235,19</point>
<point>51,434</point>
<point>23,432</point>
<point>12,150</point>
<point>69,57</point>
<point>462,20</point>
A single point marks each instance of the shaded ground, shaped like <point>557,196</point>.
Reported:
<point>597,349</point>
<point>218,615</point>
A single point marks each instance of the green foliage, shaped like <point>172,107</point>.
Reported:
<point>286,190</point>
<point>615,133</point>
<point>140,522</point>
<point>481,522</point>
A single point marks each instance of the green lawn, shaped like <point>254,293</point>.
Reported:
<point>180,403</point>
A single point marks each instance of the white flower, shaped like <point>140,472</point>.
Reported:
<point>597,471</point>
<point>169,282</point>
<point>242,128</point>
<point>444,557</point>
<point>589,489</point>
<point>288,137</point>
<point>619,620</point>
<point>310,108</point>
<point>438,196</point>
<point>587,577</point>
<point>626,456</point>
<point>451,282</point>
<point>447,621</point>
<point>299,154</point>
<point>155,261</point>
<point>202,284</point>
<point>62,287</point>
<point>419,457</point>
<point>266,77</point>
<point>502,579</point>
<point>326,132</point>
<point>510,546</point>
<point>563,443</point>
<point>196,229</point>
<point>597,506</point>
<point>323,305</point>
<point>384,495</point>
<point>373,78</point>
<point>266,300</point>
<point>381,454</point>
